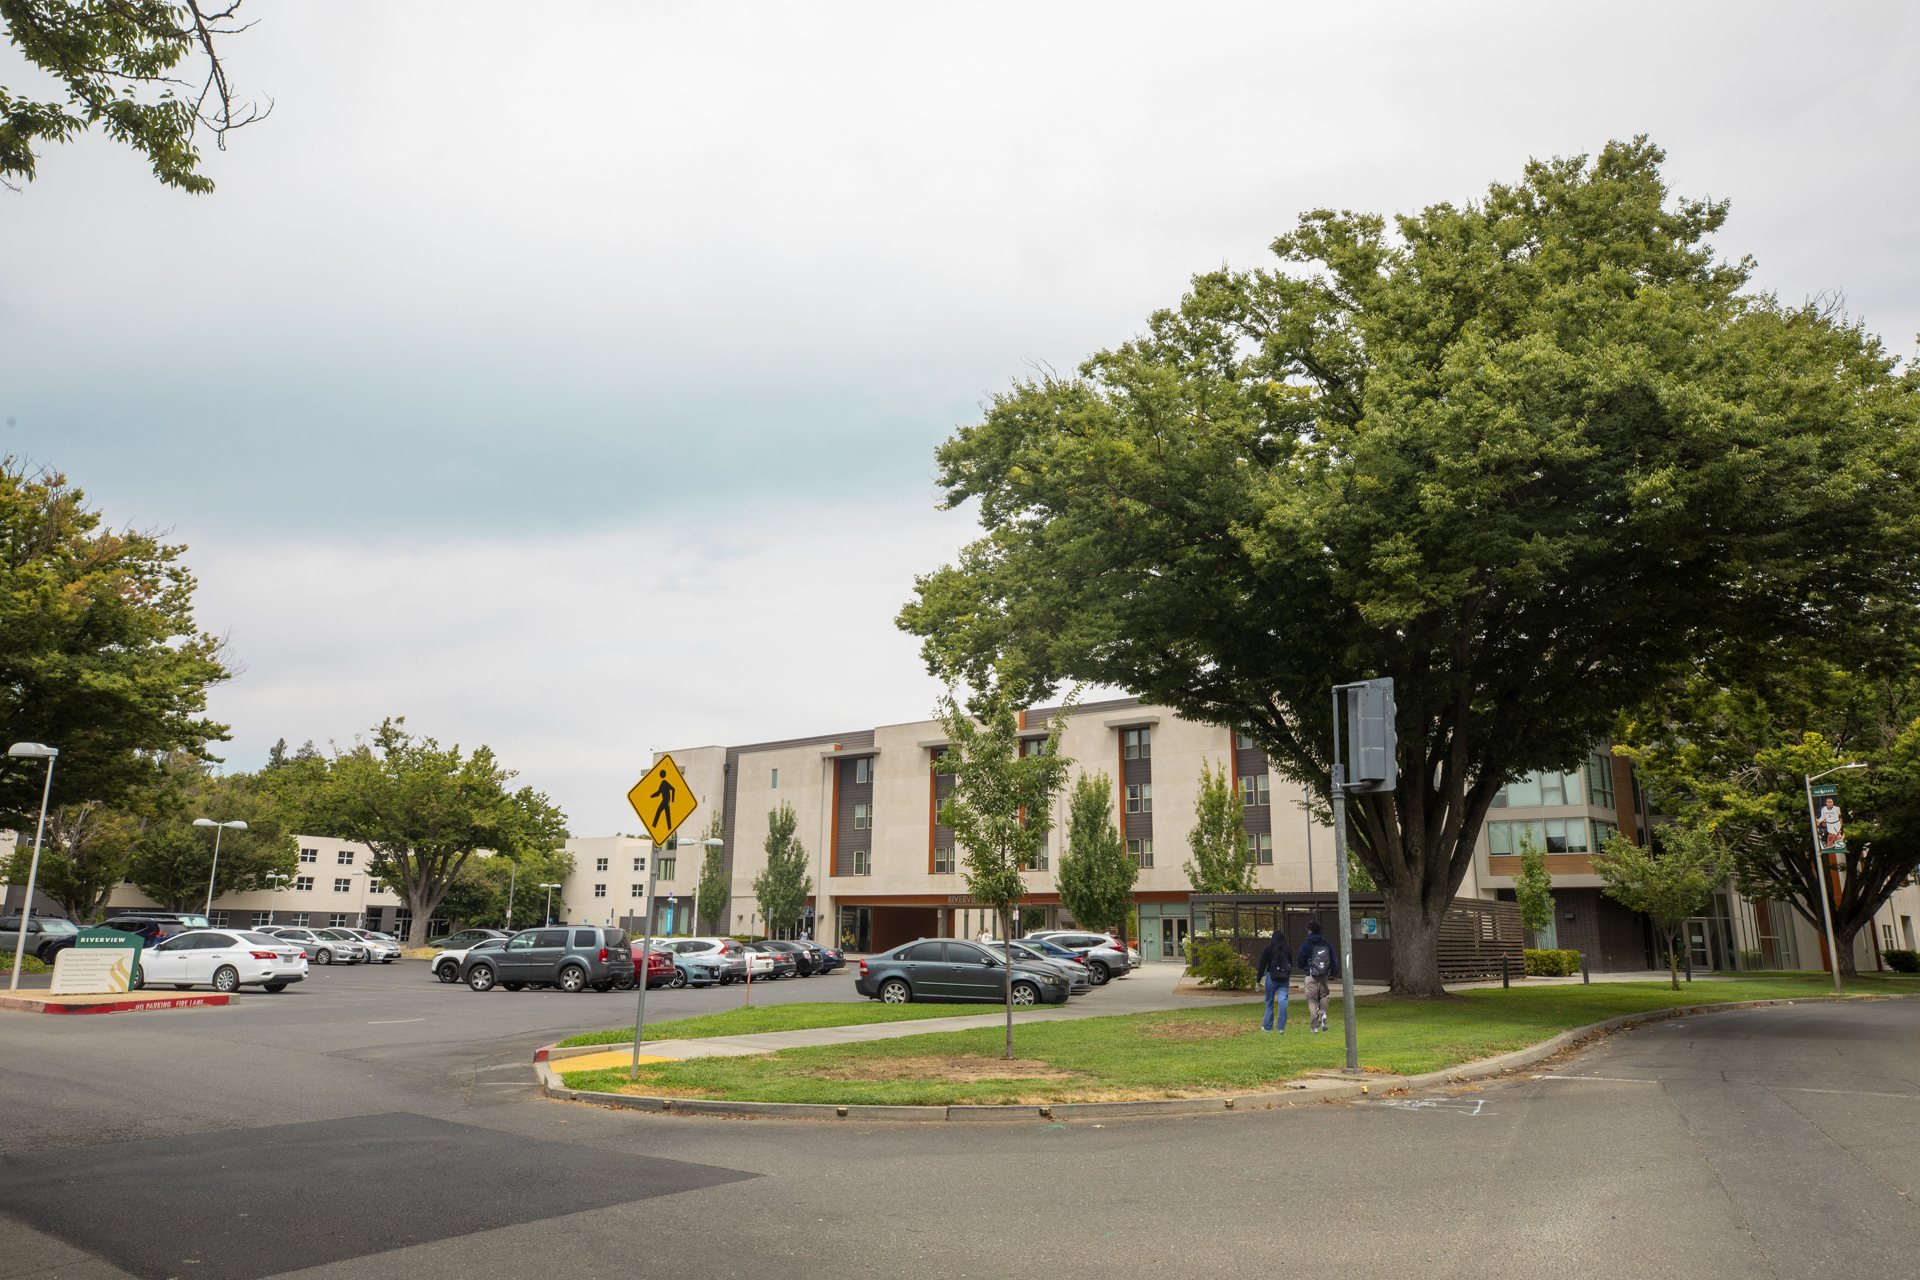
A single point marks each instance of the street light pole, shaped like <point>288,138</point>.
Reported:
<point>549,888</point>
<point>275,891</point>
<point>219,829</point>
<point>31,751</point>
<point>1820,873</point>
<point>513,873</point>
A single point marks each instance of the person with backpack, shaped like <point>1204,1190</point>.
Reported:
<point>1276,966</point>
<point>1321,965</point>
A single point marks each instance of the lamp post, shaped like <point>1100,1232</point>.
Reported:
<point>646,950</point>
<point>219,829</point>
<point>275,890</point>
<point>1820,872</point>
<point>31,751</point>
<point>549,888</point>
<point>513,874</point>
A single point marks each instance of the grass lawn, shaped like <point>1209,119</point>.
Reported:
<point>28,964</point>
<point>1192,1052</point>
<point>781,1017</point>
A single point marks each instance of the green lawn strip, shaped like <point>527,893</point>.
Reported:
<point>1191,1051</point>
<point>779,1017</point>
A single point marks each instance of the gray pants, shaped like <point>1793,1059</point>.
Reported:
<point>1317,1002</point>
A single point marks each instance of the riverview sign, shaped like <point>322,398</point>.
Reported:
<point>100,962</point>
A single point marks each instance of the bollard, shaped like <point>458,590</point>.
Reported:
<point>1506,980</point>
<point>1586,979</point>
<point>1689,964</point>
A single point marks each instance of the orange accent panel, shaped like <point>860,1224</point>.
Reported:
<point>1623,809</point>
<point>1560,864</point>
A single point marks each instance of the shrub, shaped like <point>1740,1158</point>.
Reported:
<point>1217,964</point>
<point>29,964</point>
<point>1902,961</point>
<point>1552,964</point>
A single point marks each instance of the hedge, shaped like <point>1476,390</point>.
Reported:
<point>1552,964</point>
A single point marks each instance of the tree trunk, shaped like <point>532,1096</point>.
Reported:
<point>1006,939</point>
<point>1416,941</point>
<point>1673,957</point>
<point>1844,943</point>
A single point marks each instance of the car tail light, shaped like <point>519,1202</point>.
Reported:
<point>303,955</point>
<point>863,968</point>
<point>262,955</point>
<point>603,955</point>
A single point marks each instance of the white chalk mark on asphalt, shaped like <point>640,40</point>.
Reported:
<point>1609,1079</point>
<point>1437,1104</point>
<point>391,1022</point>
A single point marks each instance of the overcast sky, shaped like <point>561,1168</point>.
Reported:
<point>567,379</point>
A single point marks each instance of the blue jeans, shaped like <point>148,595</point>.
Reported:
<point>1275,988</point>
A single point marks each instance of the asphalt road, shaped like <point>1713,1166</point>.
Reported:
<point>334,1137</point>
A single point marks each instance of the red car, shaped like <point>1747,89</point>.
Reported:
<point>659,967</point>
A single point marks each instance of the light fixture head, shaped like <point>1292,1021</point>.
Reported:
<point>32,751</point>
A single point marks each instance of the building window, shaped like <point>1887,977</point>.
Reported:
<point>1554,835</point>
<point>309,855</point>
<point>599,864</point>
<point>299,919</point>
<point>599,891</point>
<point>218,919</point>
<point>943,859</point>
<point>303,884</point>
<point>1601,830</point>
<point>345,857</point>
<point>1886,932</point>
<point>775,784</point>
<point>374,886</point>
<point>666,868</point>
<point>862,771</point>
<point>1034,747</point>
<point>862,817</point>
<point>1600,780</point>
<point>261,919</point>
<point>1537,789</point>
<point>639,864</point>
<point>1139,743</point>
<point>1140,797</point>
<point>343,886</point>
<point>639,891</point>
<point>1241,740</point>
<point>338,920</point>
<point>1260,850</point>
<point>863,862</point>
<point>1253,791</point>
<point>1141,852</point>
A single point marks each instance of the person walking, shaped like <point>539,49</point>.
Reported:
<point>1321,965</point>
<point>1276,966</point>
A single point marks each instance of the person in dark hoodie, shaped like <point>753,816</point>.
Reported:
<point>1320,964</point>
<point>1276,966</point>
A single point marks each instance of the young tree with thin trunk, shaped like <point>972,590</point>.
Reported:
<point>1527,455</point>
<point>1001,807</point>
<point>1533,887</point>
<point>1221,859</point>
<point>783,884</point>
<point>1670,886</point>
<point>715,901</point>
<point>1095,873</point>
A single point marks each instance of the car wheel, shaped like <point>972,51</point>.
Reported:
<point>572,978</point>
<point>894,991</point>
<point>514,986</point>
<point>448,973</point>
<point>1025,993</point>
<point>276,987</point>
<point>623,984</point>
<point>726,979</point>
<point>323,957</point>
<point>1097,974</point>
<point>603,987</point>
<point>139,980</point>
<point>480,977</point>
<point>226,978</point>
<point>679,980</point>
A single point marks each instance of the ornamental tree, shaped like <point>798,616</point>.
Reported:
<point>1095,875</point>
<point>1527,455</point>
<point>783,884</point>
<point>1218,838</point>
<point>1669,881</point>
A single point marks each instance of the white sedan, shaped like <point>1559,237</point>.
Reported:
<point>222,960</point>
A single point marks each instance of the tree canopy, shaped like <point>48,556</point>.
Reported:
<point>115,59</point>
<point>99,653</point>
<point>1668,880</point>
<point>1527,455</point>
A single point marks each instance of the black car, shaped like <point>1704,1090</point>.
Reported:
<point>571,959</point>
<point>156,926</point>
<point>46,935</point>
<point>937,969</point>
<point>831,958</point>
<point>806,960</point>
<point>785,964</point>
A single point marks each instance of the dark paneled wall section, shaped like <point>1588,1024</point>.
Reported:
<point>1251,762</point>
<point>847,840</point>
<point>942,835</point>
<point>729,805</point>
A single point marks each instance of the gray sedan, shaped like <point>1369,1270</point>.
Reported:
<point>320,949</point>
<point>1064,963</point>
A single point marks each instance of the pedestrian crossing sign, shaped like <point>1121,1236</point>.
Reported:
<point>662,799</point>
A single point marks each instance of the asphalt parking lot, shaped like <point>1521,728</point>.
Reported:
<point>383,1125</point>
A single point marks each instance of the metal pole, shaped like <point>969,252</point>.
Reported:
<point>1820,873</point>
<point>513,874</point>
<point>215,873</point>
<point>33,872</point>
<point>1309,848</point>
<point>1340,875</point>
<point>646,963</point>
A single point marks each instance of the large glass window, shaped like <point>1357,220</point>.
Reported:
<point>1600,780</point>
<point>1141,851</point>
<point>943,859</point>
<point>1138,743</point>
<point>1537,789</point>
<point>1260,849</point>
<point>1254,793</point>
<point>1140,797</point>
<point>1554,835</point>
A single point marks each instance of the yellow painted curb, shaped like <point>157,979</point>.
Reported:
<point>603,1061</point>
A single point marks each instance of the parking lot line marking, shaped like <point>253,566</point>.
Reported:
<point>1608,1079</point>
<point>394,1022</point>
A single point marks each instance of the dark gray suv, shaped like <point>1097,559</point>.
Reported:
<point>571,959</point>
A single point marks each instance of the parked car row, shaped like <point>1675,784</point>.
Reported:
<point>1046,968</point>
<point>233,957</point>
<point>577,958</point>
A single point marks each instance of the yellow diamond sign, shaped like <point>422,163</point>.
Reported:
<point>662,799</point>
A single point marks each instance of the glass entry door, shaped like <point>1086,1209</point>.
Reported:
<point>1173,937</point>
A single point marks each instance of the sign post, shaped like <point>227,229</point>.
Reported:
<point>1829,837</point>
<point>663,801</point>
<point>1374,746</point>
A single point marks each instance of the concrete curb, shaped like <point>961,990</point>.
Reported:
<point>1296,1092</point>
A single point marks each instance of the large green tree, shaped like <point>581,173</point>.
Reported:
<point>1095,875</point>
<point>1525,455</point>
<point>1732,755</point>
<point>424,810</point>
<point>83,858</point>
<point>783,884</point>
<point>173,861</point>
<point>481,893</point>
<point>116,61</point>
<point>1001,807</point>
<point>99,654</point>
